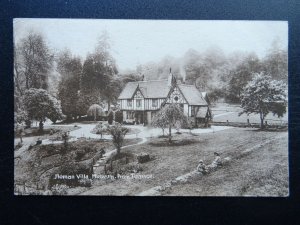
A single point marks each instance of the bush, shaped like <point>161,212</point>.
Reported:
<point>190,123</point>
<point>110,118</point>
<point>79,155</point>
<point>119,117</point>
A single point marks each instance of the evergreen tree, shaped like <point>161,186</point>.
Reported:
<point>70,69</point>
<point>40,105</point>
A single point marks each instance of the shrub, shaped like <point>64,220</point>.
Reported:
<point>110,118</point>
<point>119,116</point>
<point>118,133</point>
<point>79,155</point>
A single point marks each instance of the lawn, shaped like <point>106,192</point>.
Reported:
<point>223,112</point>
<point>261,172</point>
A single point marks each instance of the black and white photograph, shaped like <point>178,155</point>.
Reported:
<point>120,107</point>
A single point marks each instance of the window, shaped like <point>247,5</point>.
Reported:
<point>153,114</point>
<point>194,109</point>
<point>138,103</point>
<point>129,102</point>
<point>154,103</point>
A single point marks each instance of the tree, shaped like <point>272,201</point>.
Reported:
<point>168,116</point>
<point>130,77</point>
<point>240,77</point>
<point>40,105</point>
<point>95,110</point>
<point>263,95</point>
<point>33,62</point>
<point>110,117</point>
<point>216,94</point>
<point>55,112</point>
<point>197,69</point>
<point>276,62</point>
<point>98,73</point>
<point>118,133</point>
<point>161,122</point>
<point>69,69</point>
<point>20,117</point>
<point>84,102</point>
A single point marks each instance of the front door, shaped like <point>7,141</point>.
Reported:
<point>139,117</point>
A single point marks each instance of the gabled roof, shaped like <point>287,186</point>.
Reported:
<point>192,94</point>
<point>149,89</point>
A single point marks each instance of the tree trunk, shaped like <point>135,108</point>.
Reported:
<point>108,105</point>
<point>118,150</point>
<point>170,134</point>
<point>114,116</point>
<point>41,126</point>
<point>261,121</point>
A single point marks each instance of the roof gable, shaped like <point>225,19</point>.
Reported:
<point>192,95</point>
<point>176,96</point>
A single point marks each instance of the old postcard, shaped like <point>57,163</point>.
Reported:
<point>150,107</point>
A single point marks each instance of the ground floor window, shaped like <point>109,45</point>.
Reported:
<point>153,114</point>
<point>129,115</point>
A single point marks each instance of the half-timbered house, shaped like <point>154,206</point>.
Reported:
<point>139,101</point>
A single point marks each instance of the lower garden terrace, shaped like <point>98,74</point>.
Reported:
<point>128,174</point>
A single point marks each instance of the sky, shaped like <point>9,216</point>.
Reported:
<point>136,42</point>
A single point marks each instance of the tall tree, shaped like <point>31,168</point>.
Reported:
<point>70,69</point>
<point>99,70</point>
<point>241,76</point>
<point>197,69</point>
<point>263,95</point>
<point>33,62</point>
<point>276,62</point>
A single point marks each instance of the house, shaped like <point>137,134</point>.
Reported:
<point>139,101</point>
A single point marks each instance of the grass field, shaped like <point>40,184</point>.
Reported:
<point>261,172</point>
<point>223,112</point>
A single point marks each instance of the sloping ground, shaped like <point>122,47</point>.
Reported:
<point>172,161</point>
<point>36,165</point>
<point>262,172</point>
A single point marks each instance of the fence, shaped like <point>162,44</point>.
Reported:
<point>269,124</point>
